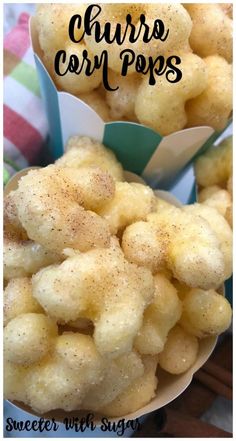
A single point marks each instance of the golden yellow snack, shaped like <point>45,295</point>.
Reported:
<point>51,385</point>
<point>119,374</point>
<point>174,16</point>
<point>159,317</point>
<point>62,379</point>
<point>229,215</point>
<point>82,151</point>
<point>28,338</point>
<point>80,354</point>
<point>14,381</point>
<point>193,251</point>
<point>220,200</point>
<point>119,212</point>
<point>161,203</point>
<point>177,21</point>
<point>118,306</point>
<point>118,12</point>
<point>194,31</point>
<point>52,21</point>
<point>73,83</point>
<point>54,384</point>
<point>141,245</point>
<point>10,217</point>
<point>24,257</point>
<point>96,187</point>
<point>205,313</point>
<point>207,192</point>
<point>49,205</point>
<point>21,256</point>
<point>137,394</point>
<point>167,273</point>
<point>212,30</point>
<point>95,100</point>
<point>162,106</point>
<point>102,286</point>
<point>230,186</point>
<point>214,167</point>
<point>180,351</point>
<point>18,299</point>
<point>82,325</point>
<point>214,105</point>
<point>221,229</point>
<point>182,289</point>
<point>121,101</point>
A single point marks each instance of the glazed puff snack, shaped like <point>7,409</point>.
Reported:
<point>213,171</point>
<point>101,293</point>
<point>199,34</point>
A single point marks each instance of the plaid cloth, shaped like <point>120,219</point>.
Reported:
<point>24,122</point>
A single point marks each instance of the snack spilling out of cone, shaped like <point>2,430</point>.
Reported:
<point>107,283</point>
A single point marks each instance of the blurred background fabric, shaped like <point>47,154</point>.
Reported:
<point>24,125</point>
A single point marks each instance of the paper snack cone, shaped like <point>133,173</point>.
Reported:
<point>169,386</point>
<point>140,149</point>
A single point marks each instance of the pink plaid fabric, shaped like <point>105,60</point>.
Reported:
<point>25,124</point>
